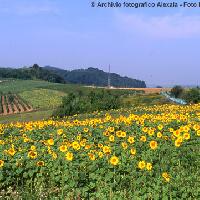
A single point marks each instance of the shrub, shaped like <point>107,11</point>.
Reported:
<point>177,91</point>
<point>192,96</point>
<point>76,103</point>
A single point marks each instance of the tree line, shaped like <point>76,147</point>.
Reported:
<point>90,76</point>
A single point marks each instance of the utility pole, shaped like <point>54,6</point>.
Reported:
<point>109,77</point>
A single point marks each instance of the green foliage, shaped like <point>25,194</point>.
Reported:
<point>192,95</point>
<point>76,103</point>
<point>177,91</point>
<point>43,98</point>
<point>16,86</point>
<point>11,97</point>
<point>145,99</point>
<point>26,116</point>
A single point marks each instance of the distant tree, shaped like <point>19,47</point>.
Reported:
<point>34,72</point>
<point>94,76</point>
<point>192,96</point>
<point>177,91</point>
<point>90,76</point>
<point>36,66</point>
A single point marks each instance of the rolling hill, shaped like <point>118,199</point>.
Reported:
<point>94,76</point>
<point>88,77</point>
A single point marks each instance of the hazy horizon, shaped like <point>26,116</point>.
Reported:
<point>159,46</point>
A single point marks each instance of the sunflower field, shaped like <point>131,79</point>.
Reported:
<point>147,152</point>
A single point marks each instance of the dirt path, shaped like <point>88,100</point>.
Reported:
<point>10,111</point>
<point>146,90</point>
<point>5,112</point>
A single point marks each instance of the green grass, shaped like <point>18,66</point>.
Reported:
<point>16,86</point>
<point>43,98</point>
<point>25,117</point>
<point>146,99</point>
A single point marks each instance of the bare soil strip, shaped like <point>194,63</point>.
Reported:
<point>146,90</point>
<point>27,107</point>
<point>15,108</point>
<point>4,106</point>
<point>19,105</point>
<point>10,111</point>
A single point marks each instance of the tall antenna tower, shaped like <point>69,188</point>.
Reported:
<point>109,77</point>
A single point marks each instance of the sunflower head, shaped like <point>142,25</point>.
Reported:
<point>69,156</point>
<point>40,163</point>
<point>114,160</point>
<point>141,165</point>
<point>1,163</point>
<point>153,144</point>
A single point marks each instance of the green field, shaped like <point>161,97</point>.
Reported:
<point>146,99</point>
<point>16,86</point>
<point>24,117</point>
<point>45,97</point>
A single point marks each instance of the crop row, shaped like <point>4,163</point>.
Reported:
<point>12,103</point>
<point>1,108</point>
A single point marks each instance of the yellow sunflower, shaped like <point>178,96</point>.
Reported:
<point>111,138</point>
<point>114,160</point>
<point>76,145</point>
<point>133,151</point>
<point>50,142</point>
<point>131,139</point>
<point>106,150</point>
<point>60,131</point>
<point>166,176</point>
<point>141,165</point>
<point>1,163</point>
<point>40,163</point>
<point>143,138</point>
<point>153,144</point>
<point>69,156</point>
<point>63,148</point>
<point>149,166</point>
<point>32,154</point>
